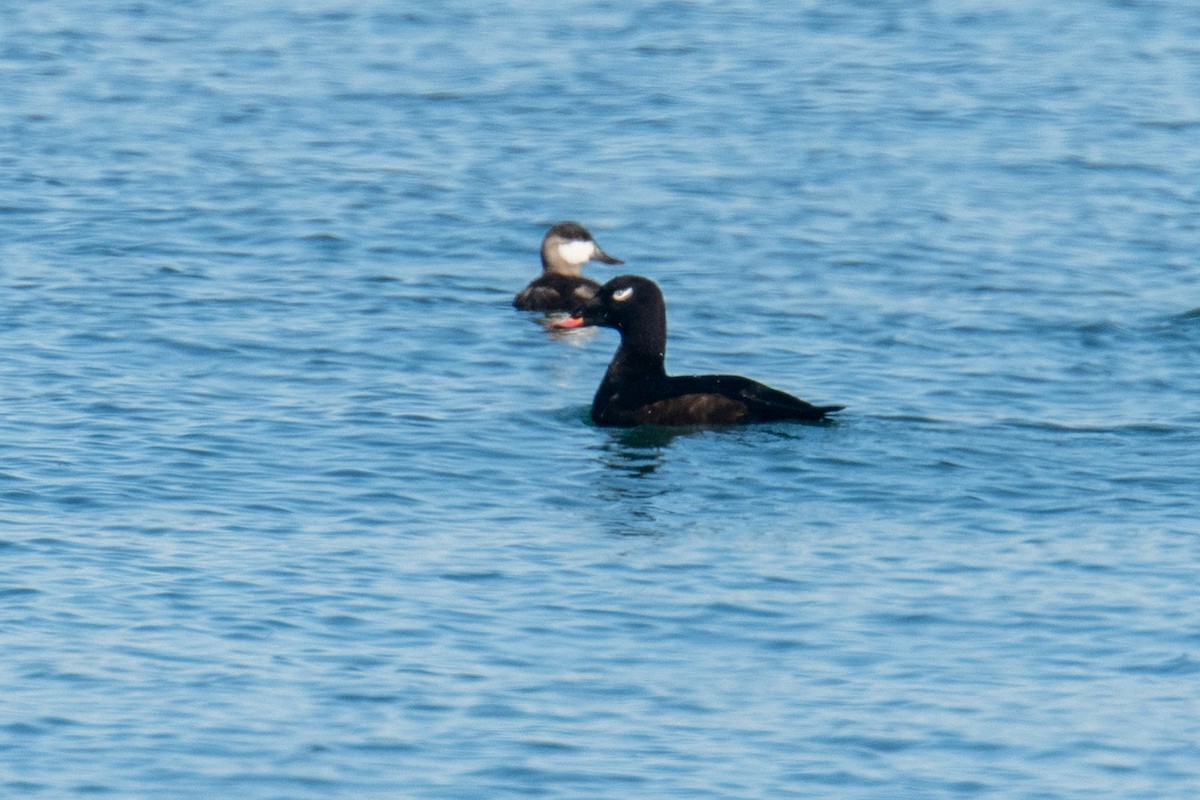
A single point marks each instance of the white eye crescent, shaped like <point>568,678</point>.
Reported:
<point>621,295</point>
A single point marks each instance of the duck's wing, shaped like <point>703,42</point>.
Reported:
<point>554,292</point>
<point>764,403</point>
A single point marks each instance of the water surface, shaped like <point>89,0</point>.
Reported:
<point>295,505</point>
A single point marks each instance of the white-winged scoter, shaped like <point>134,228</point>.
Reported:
<point>636,389</point>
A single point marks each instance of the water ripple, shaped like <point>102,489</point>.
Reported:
<point>296,505</point>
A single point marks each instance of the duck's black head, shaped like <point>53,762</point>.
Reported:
<point>630,303</point>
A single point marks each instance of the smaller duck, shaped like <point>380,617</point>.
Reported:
<point>561,286</point>
<point>636,389</point>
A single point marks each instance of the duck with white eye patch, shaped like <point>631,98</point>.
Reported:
<point>562,286</point>
<point>636,389</point>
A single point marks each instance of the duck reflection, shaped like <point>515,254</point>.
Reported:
<point>631,481</point>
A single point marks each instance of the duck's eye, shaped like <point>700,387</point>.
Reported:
<point>621,295</point>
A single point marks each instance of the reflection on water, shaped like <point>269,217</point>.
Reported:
<point>1180,328</point>
<point>630,442</point>
<point>571,336</point>
<point>631,488</point>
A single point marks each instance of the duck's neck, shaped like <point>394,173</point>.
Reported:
<point>642,351</point>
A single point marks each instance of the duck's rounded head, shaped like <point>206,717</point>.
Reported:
<point>568,246</point>
<point>625,302</point>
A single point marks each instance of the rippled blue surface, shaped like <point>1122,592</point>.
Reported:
<point>294,505</point>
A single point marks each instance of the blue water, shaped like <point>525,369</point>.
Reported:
<point>293,504</point>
